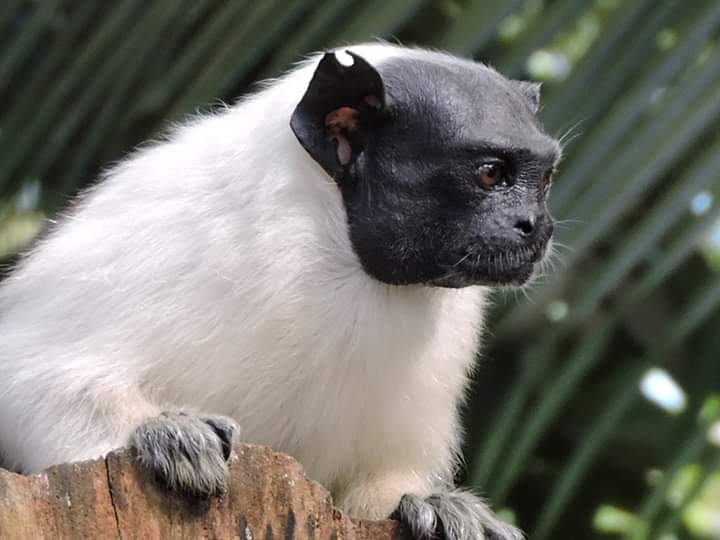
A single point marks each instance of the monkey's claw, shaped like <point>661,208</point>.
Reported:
<point>187,453</point>
<point>454,515</point>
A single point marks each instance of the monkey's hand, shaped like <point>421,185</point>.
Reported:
<point>187,453</point>
<point>453,515</point>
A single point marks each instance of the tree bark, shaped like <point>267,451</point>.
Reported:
<point>269,498</point>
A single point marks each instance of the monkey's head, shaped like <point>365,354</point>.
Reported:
<point>442,165</point>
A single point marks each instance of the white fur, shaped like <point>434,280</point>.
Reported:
<point>213,270</point>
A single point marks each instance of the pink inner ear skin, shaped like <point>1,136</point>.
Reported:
<point>338,121</point>
<point>344,152</point>
<point>342,118</point>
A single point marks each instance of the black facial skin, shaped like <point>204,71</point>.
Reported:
<point>447,177</point>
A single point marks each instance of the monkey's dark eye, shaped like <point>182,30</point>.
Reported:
<point>493,173</point>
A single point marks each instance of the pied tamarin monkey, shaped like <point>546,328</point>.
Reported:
<point>307,269</point>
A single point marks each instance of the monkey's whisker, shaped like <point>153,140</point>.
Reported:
<point>569,134</point>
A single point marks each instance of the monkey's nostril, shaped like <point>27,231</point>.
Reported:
<point>525,226</point>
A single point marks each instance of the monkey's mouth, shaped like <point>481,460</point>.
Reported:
<point>492,268</point>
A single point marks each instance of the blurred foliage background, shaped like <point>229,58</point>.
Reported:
<point>595,412</point>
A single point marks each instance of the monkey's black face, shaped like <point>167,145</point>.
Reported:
<point>442,166</point>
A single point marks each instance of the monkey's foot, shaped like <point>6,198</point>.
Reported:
<point>454,515</point>
<point>187,453</point>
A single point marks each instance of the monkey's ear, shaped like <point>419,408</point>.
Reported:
<point>341,105</point>
<point>531,91</point>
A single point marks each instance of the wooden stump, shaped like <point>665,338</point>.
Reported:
<point>269,498</point>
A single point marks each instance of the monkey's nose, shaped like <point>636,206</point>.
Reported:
<point>525,226</point>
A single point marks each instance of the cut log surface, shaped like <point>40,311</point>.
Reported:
<point>269,498</point>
